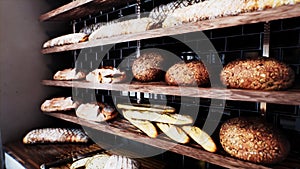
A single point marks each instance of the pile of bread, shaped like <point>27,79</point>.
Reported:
<point>178,127</point>
<point>96,111</point>
<point>106,74</point>
<point>172,14</point>
<point>252,73</point>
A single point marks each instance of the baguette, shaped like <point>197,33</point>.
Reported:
<point>158,117</point>
<point>174,132</point>
<point>147,127</point>
<point>147,107</point>
<point>201,138</point>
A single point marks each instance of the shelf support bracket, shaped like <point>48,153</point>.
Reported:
<point>266,52</point>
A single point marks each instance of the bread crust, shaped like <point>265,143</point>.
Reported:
<point>254,140</point>
<point>148,67</point>
<point>257,74</point>
<point>193,73</point>
<point>59,104</point>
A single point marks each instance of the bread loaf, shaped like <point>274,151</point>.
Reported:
<point>149,66</point>
<point>69,74</point>
<point>258,74</point>
<point>120,28</point>
<point>59,104</point>
<point>55,135</point>
<point>177,119</point>
<point>106,74</point>
<point>254,140</point>
<point>94,112</point>
<point>174,132</point>
<point>66,39</point>
<point>193,73</point>
<point>201,137</point>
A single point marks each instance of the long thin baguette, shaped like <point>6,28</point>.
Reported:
<point>146,126</point>
<point>55,135</point>
<point>177,119</point>
<point>147,107</point>
<point>201,138</point>
<point>174,132</point>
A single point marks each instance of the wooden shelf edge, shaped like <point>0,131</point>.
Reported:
<point>283,12</point>
<point>79,8</point>
<point>162,144</point>
<point>278,97</point>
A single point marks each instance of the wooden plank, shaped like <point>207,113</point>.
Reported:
<point>32,156</point>
<point>290,97</point>
<point>282,12</point>
<point>81,8</point>
<point>194,152</point>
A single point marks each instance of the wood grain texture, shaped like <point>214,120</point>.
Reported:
<point>80,8</point>
<point>122,128</point>
<point>290,97</point>
<point>282,12</point>
<point>32,156</point>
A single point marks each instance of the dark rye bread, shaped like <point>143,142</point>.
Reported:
<point>257,74</point>
<point>254,140</point>
<point>193,73</point>
<point>148,67</point>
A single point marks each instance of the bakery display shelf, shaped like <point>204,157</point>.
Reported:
<point>33,156</point>
<point>80,8</point>
<point>267,15</point>
<point>123,128</point>
<point>289,97</point>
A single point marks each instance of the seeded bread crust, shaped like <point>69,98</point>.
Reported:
<point>187,74</point>
<point>148,67</point>
<point>254,140</point>
<point>257,74</point>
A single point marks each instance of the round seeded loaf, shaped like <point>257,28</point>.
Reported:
<point>193,73</point>
<point>148,67</point>
<point>254,140</point>
<point>257,74</point>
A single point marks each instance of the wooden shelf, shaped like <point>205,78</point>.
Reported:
<point>123,128</point>
<point>60,155</point>
<point>290,97</point>
<point>282,12</point>
<point>81,8</point>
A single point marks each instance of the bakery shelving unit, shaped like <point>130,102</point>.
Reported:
<point>282,12</point>
<point>123,128</point>
<point>119,127</point>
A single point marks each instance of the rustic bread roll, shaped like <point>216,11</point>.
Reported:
<point>258,74</point>
<point>107,74</point>
<point>59,104</point>
<point>148,67</point>
<point>95,112</point>
<point>254,140</point>
<point>69,74</point>
<point>187,74</point>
